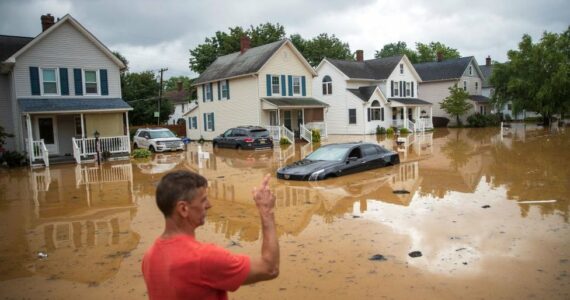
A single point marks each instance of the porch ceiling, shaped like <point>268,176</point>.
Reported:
<point>69,105</point>
<point>286,102</point>
<point>409,102</point>
<point>479,98</point>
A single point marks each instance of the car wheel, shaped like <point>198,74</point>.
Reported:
<point>151,148</point>
<point>216,146</point>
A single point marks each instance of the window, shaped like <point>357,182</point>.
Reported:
<point>369,150</point>
<point>352,116</point>
<point>476,86</point>
<point>78,131</point>
<point>49,81</point>
<point>275,85</point>
<point>192,122</point>
<point>470,70</point>
<point>465,85</point>
<point>296,85</point>
<point>396,85</point>
<point>401,68</point>
<point>327,85</point>
<point>90,79</point>
<point>375,111</point>
<point>483,109</point>
<point>224,89</point>
<point>210,122</point>
<point>208,91</point>
<point>408,89</point>
<point>509,106</point>
<point>273,118</point>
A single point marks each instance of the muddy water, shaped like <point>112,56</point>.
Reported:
<point>489,213</point>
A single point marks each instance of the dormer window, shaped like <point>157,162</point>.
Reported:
<point>327,85</point>
<point>470,70</point>
<point>91,86</point>
<point>49,81</point>
<point>401,68</point>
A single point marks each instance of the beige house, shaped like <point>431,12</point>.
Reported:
<point>439,76</point>
<point>59,88</point>
<point>268,86</point>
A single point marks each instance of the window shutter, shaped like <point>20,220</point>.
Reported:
<point>382,113</point>
<point>219,91</point>
<point>211,93</point>
<point>392,88</point>
<point>35,80</point>
<point>412,89</point>
<point>290,80</point>
<point>205,123</point>
<point>63,81</point>
<point>303,88</point>
<point>268,84</point>
<point>104,83</point>
<point>369,114</point>
<point>283,86</point>
<point>78,82</point>
<point>213,122</point>
<point>203,93</point>
<point>189,122</point>
<point>228,87</point>
<point>401,89</point>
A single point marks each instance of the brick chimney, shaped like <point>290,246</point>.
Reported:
<point>179,86</point>
<point>47,21</point>
<point>359,55</point>
<point>439,56</point>
<point>244,43</point>
<point>488,60</point>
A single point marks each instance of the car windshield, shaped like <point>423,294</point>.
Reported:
<point>328,153</point>
<point>161,134</point>
<point>259,133</point>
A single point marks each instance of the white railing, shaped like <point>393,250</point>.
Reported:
<point>38,151</point>
<point>274,132</point>
<point>76,150</point>
<point>288,134</point>
<point>321,126</point>
<point>306,133</point>
<point>114,144</point>
<point>425,123</point>
<point>411,126</point>
<point>97,175</point>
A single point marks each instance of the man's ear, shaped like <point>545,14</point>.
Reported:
<point>181,208</point>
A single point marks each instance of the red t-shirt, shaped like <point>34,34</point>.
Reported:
<point>183,268</point>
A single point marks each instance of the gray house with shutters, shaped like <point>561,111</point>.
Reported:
<point>60,89</point>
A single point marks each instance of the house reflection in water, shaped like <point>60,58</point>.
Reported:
<point>82,221</point>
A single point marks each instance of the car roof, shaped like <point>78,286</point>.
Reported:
<point>350,144</point>
<point>251,127</point>
<point>153,129</point>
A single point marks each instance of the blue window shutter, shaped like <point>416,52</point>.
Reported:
<point>78,82</point>
<point>402,89</point>
<point>104,83</point>
<point>290,80</point>
<point>203,93</point>
<point>268,84</point>
<point>228,87</point>
<point>303,88</point>
<point>219,91</point>
<point>392,88</point>
<point>382,112</point>
<point>205,123</point>
<point>369,114</point>
<point>412,89</point>
<point>283,86</point>
<point>63,81</point>
<point>213,123</point>
<point>35,80</point>
<point>211,92</point>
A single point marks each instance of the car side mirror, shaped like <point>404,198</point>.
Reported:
<point>352,158</point>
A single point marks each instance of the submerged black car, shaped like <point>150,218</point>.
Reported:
<point>339,159</point>
<point>244,137</point>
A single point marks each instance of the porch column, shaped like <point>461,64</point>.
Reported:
<point>431,116</point>
<point>278,117</point>
<point>83,136</point>
<point>30,138</point>
<point>405,108</point>
<point>128,132</point>
<point>303,116</point>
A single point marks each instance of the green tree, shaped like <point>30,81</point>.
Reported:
<point>172,85</point>
<point>122,59</point>
<point>322,46</point>
<point>537,76</point>
<point>140,85</point>
<point>398,48</point>
<point>456,104</point>
<point>428,52</point>
<point>143,111</point>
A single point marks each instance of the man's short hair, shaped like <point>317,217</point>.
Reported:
<point>176,186</point>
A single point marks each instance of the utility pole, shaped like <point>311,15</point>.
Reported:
<point>160,94</point>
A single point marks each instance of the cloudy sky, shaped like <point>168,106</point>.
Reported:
<point>153,34</point>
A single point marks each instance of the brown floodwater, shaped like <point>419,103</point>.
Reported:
<point>488,212</point>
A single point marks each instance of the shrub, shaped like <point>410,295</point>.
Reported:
<point>404,131</point>
<point>440,122</point>
<point>492,120</point>
<point>508,118</point>
<point>380,130</point>
<point>316,135</point>
<point>141,153</point>
<point>390,131</point>
<point>201,140</point>
<point>284,141</point>
<point>476,120</point>
<point>13,159</point>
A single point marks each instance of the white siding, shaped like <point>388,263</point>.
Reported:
<point>395,76</point>
<point>435,92</point>
<point>65,47</point>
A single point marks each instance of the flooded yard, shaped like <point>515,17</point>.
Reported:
<point>488,212</point>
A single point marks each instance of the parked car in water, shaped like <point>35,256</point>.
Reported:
<point>157,140</point>
<point>339,159</point>
<point>244,137</point>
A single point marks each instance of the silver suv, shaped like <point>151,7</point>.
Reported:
<point>157,140</point>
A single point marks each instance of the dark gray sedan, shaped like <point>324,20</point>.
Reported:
<point>339,159</point>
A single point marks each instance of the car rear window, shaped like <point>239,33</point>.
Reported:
<point>259,133</point>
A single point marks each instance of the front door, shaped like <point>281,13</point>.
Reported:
<point>46,129</point>
<point>287,119</point>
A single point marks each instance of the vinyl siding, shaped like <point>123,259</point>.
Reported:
<point>408,76</point>
<point>68,48</point>
<point>284,62</point>
<point>6,119</point>
<point>435,92</point>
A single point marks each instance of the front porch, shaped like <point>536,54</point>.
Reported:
<point>413,114</point>
<point>293,118</point>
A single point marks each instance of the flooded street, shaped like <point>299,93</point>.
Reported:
<point>489,214</point>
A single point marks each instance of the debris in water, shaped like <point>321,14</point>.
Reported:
<point>415,254</point>
<point>460,249</point>
<point>378,257</point>
<point>464,263</point>
<point>355,217</point>
<point>234,243</point>
<point>536,202</point>
<point>42,255</point>
<point>221,177</point>
<point>486,206</point>
<point>400,192</point>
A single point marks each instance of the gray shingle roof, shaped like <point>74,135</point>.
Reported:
<point>479,98</point>
<point>363,92</point>
<point>11,44</point>
<point>288,101</point>
<point>448,69</point>
<point>377,69</point>
<point>238,63</point>
<point>75,104</point>
<point>411,101</point>
<point>487,71</point>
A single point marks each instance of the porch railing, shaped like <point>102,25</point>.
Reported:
<point>411,126</point>
<point>38,151</point>
<point>321,126</point>
<point>425,123</point>
<point>274,132</point>
<point>76,150</point>
<point>305,133</point>
<point>288,134</point>
<point>115,144</point>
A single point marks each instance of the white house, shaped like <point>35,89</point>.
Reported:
<point>269,86</point>
<point>439,76</point>
<point>58,89</point>
<point>365,94</point>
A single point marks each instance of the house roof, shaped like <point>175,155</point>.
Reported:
<point>410,101</point>
<point>487,71</point>
<point>11,44</point>
<point>363,92</point>
<point>239,64</point>
<point>377,69</point>
<point>177,96</point>
<point>288,101</point>
<point>479,98</point>
<point>45,105</point>
<point>448,69</point>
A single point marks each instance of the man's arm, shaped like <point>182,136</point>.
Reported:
<point>267,266</point>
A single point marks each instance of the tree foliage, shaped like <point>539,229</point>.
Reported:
<point>422,53</point>
<point>537,76</point>
<point>140,86</point>
<point>321,46</point>
<point>456,104</point>
<point>172,85</point>
<point>122,59</point>
<point>143,111</point>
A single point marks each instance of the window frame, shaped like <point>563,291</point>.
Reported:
<point>275,84</point>
<point>208,92</point>
<point>327,85</point>
<point>224,89</point>
<point>470,70</point>
<point>350,122</point>
<point>465,85</point>
<point>476,86</point>
<point>396,88</point>
<point>210,121</point>
<point>401,68</point>
<point>298,78</point>
<point>42,81</point>
<point>97,81</point>
<point>408,89</point>
<point>77,122</point>
<point>375,110</point>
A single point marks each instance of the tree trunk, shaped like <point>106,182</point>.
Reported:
<point>458,121</point>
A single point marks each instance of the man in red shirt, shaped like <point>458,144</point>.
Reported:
<point>177,266</point>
